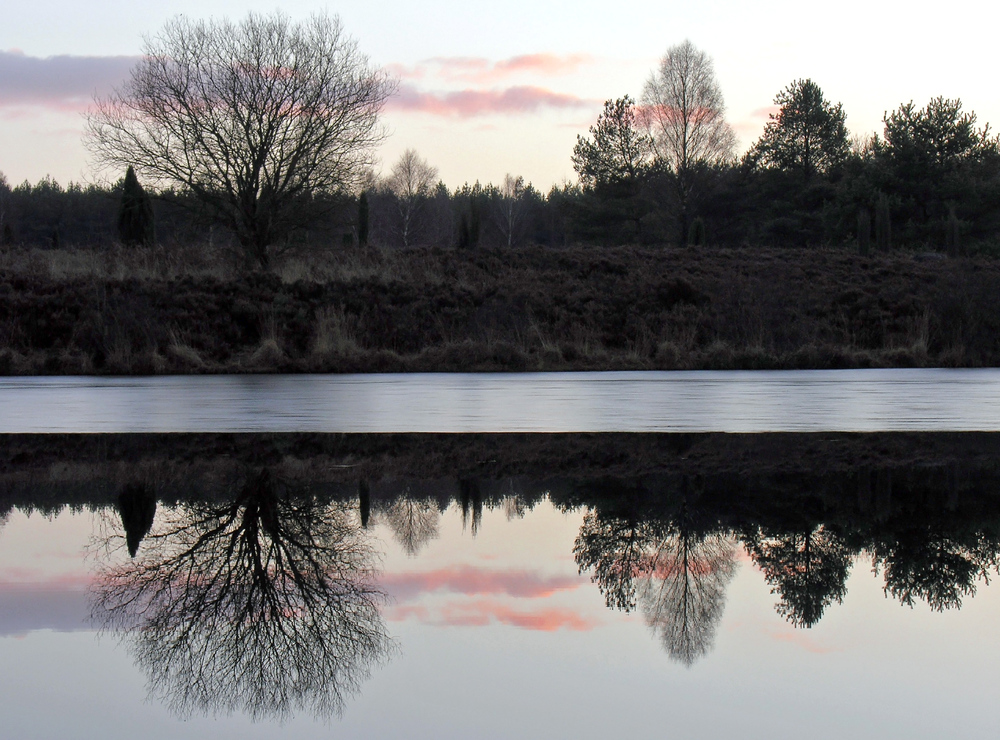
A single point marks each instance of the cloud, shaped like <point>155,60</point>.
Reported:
<point>26,608</point>
<point>801,640</point>
<point>476,582</point>
<point>484,612</point>
<point>63,83</point>
<point>469,103</point>
<point>484,71</point>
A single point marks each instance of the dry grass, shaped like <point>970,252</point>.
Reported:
<point>376,310</point>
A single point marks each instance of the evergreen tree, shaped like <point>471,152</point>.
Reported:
<point>135,217</point>
<point>806,135</point>
<point>363,220</point>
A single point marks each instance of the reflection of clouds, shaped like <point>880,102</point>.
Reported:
<point>59,606</point>
<point>266,604</point>
<point>683,593</point>
<point>484,612</point>
<point>469,580</point>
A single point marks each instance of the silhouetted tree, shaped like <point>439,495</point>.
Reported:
<point>363,219</point>
<point>807,135</point>
<point>613,164</point>
<point>253,119</point>
<point>616,549</point>
<point>265,605</point>
<point>411,181</point>
<point>684,114</point>
<point>683,593</point>
<point>808,570</point>
<point>413,522</point>
<point>137,507</point>
<point>932,564</point>
<point>509,208</point>
<point>933,156</point>
<point>677,577</point>
<point>135,215</point>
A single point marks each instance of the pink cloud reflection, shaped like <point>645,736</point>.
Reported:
<point>484,612</point>
<point>469,103</point>
<point>472,581</point>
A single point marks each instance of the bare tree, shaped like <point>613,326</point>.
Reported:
<point>411,182</point>
<point>684,114</point>
<point>510,208</point>
<point>258,120</point>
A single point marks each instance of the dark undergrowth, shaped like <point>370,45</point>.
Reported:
<point>530,309</point>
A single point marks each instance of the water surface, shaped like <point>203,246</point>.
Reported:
<point>448,586</point>
<point>736,402</point>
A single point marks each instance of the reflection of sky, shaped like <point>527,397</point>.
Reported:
<point>737,402</point>
<point>482,656</point>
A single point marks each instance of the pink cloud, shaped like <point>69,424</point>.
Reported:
<point>470,103</point>
<point>475,582</point>
<point>59,604</point>
<point>62,83</point>
<point>801,640</point>
<point>483,612</point>
<point>481,70</point>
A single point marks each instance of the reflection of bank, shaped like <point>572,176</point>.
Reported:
<point>265,604</point>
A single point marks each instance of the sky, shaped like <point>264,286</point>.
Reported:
<point>491,89</point>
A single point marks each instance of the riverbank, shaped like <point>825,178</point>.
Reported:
<point>528,309</point>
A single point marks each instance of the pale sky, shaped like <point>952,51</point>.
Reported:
<point>487,89</point>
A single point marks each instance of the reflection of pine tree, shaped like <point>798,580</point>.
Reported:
<point>137,507</point>
<point>930,564</point>
<point>264,605</point>
<point>683,594</point>
<point>808,570</point>
<point>413,522</point>
<point>471,500</point>
<point>616,549</point>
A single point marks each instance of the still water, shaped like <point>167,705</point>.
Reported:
<point>441,586</point>
<point>737,402</point>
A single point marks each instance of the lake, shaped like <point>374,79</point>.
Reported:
<point>736,402</point>
<point>499,585</point>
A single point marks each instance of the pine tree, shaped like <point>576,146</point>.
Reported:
<point>864,231</point>
<point>953,228</point>
<point>135,217</point>
<point>883,223</point>
<point>475,226</point>
<point>696,234</point>
<point>363,220</point>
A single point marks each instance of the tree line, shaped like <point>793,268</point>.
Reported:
<point>269,145</point>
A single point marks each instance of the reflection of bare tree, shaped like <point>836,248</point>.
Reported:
<point>677,578</point>
<point>413,522</point>
<point>264,605</point>
<point>808,570</point>
<point>514,507</point>
<point>683,594</point>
